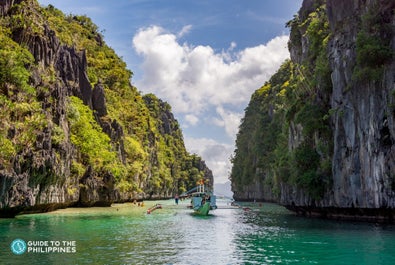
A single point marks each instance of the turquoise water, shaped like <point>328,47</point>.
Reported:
<point>125,234</point>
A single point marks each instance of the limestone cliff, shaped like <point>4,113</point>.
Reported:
<point>73,131</point>
<point>334,155</point>
<point>364,123</point>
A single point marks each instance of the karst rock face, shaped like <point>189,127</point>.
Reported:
<point>363,164</point>
<point>364,130</point>
<point>40,177</point>
<point>361,113</point>
<point>19,191</point>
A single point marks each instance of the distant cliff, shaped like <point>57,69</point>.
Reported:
<point>73,130</point>
<point>319,136</point>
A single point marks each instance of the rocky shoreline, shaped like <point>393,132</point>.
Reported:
<point>376,215</point>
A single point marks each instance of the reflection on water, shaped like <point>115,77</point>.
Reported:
<point>125,234</point>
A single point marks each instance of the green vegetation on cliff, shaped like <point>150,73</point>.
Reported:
<point>88,137</point>
<point>318,137</point>
<point>121,133</point>
<point>284,138</point>
<point>373,44</point>
<point>21,115</point>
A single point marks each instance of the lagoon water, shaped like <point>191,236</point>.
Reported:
<point>125,234</point>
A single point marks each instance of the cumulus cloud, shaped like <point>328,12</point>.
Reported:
<point>195,78</point>
<point>229,120</point>
<point>215,154</point>
<point>206,87</point>
<point>191,119</point>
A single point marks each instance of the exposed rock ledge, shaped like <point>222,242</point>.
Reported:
<point>377,215</point>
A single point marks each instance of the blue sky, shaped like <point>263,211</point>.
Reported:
<point>204,57</point>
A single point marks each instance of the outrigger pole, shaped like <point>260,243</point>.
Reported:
<point>153,208</point>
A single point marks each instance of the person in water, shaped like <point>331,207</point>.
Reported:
<point>176,199</point>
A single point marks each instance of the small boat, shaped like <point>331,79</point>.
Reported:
<point>202,201</point>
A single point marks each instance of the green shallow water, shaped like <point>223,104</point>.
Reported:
<point>125,234</point>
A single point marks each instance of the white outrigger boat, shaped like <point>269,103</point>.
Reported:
<point>202,200</point>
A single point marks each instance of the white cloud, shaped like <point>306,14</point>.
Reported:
<point>215,154</point>
<point>191,119</point>
<point>232,46</point>
<point>230,121</point>
<point>185,30</point>
<point>206,87</point>
<point>194,78</point>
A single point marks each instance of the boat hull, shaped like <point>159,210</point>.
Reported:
<point>203,210</point>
